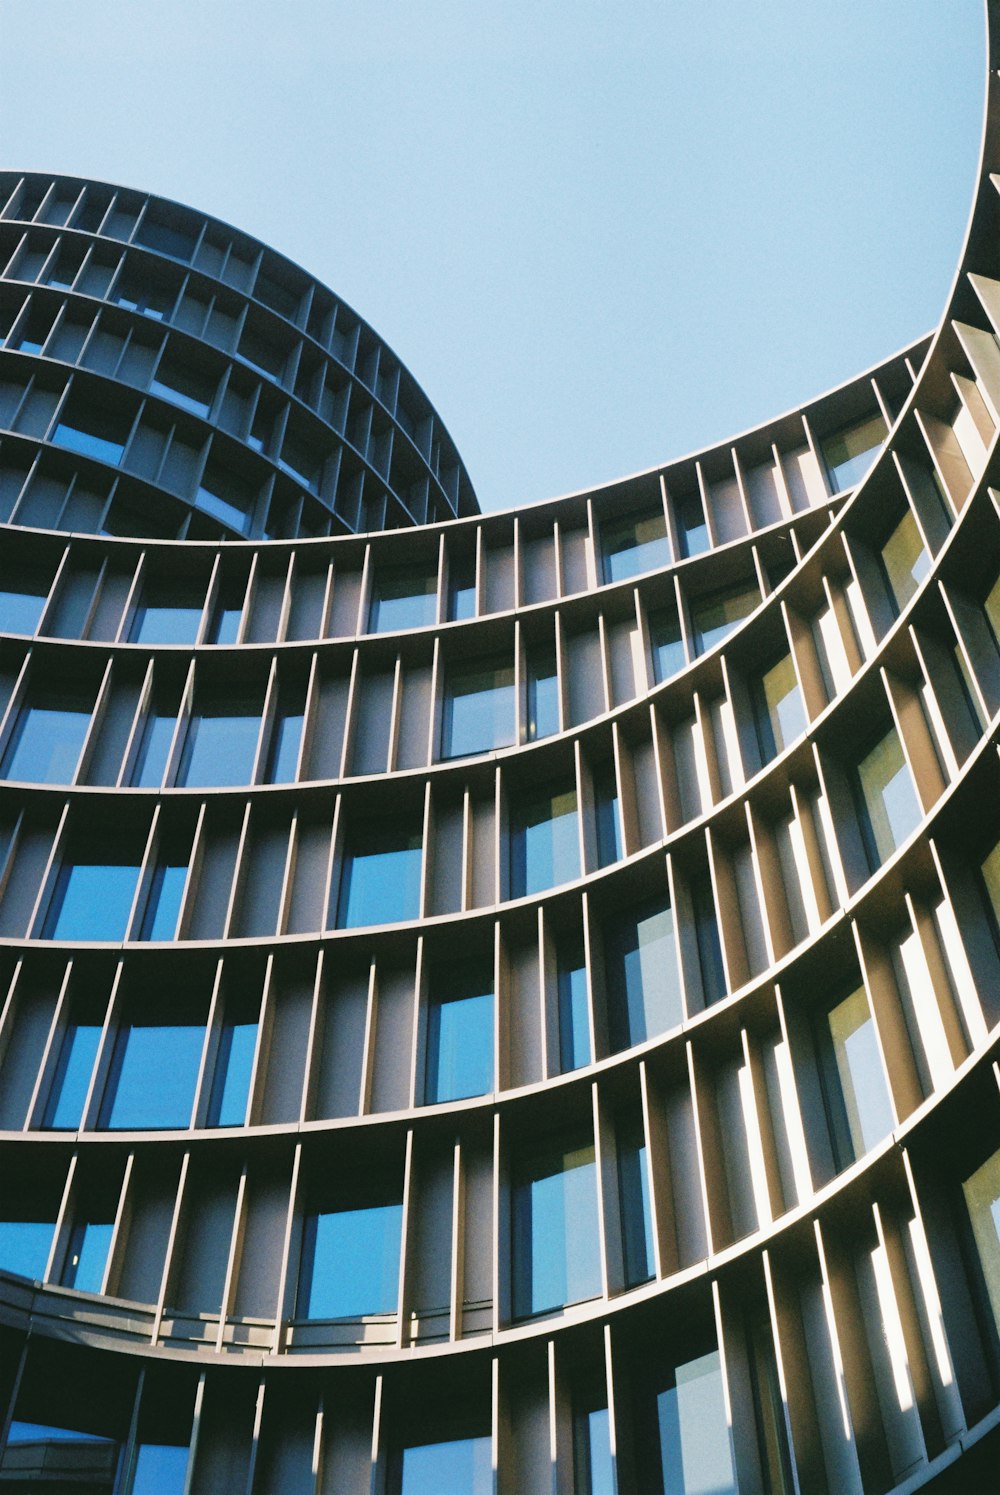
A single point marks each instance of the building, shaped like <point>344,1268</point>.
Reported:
<point>489,1002</point>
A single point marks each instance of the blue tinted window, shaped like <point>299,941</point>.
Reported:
<point>403,599</point>
<point>574,1023</point>
<point>166,623</point>
<point>713,617</point>
<point>694,1452</point>
<point>38,1432</point>
<point>556,1252</point>
<point>350,1262</point>
<point>462,589</point>
<point>858,1093</point>
<point>634,545</point>
<point>706,928</point>
<point>91,443</point>
<point>692,530</point>
<point>24,1246</point>
<point>91,901</point>
<point>778,708</point>
<point>463,1466</point>
<point>889,808</point>
<point>610,847</point>
<point>633,1190</point>
<point>166,890</point>
<point>593,1465</point>
<point>850,453</point>
<point>381,880</point>
<point>284,751</point>
<point>545,843</point>
<point>20,611</point>
<point>189,388</point>
<point>478,710</point>
<point>45,745</point>
<point>219,750</point>
<point>225,500</point>
<point>87,1256</point>
<point>224,626</point>
<point>460,1034</point>
<point>151,760</point>
<point>154,1076</point>
<point>644,996</point>
<point>233,1069</point>
<point>160,1469</point>
<point>72,1077</point>
<point>543,696</point>
<point>667,644</point>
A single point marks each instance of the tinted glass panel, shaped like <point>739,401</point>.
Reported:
<point>165,623</point>
<point>667,644</point>
<point>706,928</point>
<point>154,1077</point>
<point>634,545</point>
<point>478,710</point>
<point>72,1077</point>
<point>405,600</point>
<point>381,880</point>
<point>691,527</point>
<point>460,1036</point>
<point>543,697</point>
<point>574,1024</point>
<point>889,805</point>
<point>850,453</point>
<point>20,611</point>
<point>151,760</point>
<point>283,757</point>
<point>219,750</point>
<point>861,1077</point>
<point>695,1457</point>
<point>87,1256</point>
<point>233,1069</point>
<point>160,1469</point>
<point>461,1467</point>
<point>45,745</point>
<point>555,1232</point>
<point>610,846</point>
<point>351,1263</point>
<point>462,589</point>
<point>91,902</point>
<point>593,1467</point>
<point>644,996</point>
<point>781,716</point>
<point>714,617</point>
<point>24,1246</point>
<point>90,443</point>
<point>164,904</point>
<point>905,559</point>
<point>545,843</point>
<point>633,1189</point>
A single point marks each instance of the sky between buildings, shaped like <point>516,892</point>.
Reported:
<point>599,232</point>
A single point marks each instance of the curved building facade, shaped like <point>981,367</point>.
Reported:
<point>488,1002</point>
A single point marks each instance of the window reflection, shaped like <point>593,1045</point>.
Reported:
<point>644,995</point>
<point>91,901</point>
<point>555,1231</point>
<point>87,1256</point>
<point>380,883</point>
<point>402,599</point>
<point>667,643</point>
<point>545,843</point>
<point>778,709</point>
<point>857,1095</point>
<point>718,614</point>
<point>24,1246</point>
<point>574,1020</point>
<point>153,1076</point>
<point>350,1262</point>
<point>849,453</point>
<point>887,801</point>
<point>694,1454</point>
<point>478,710</point>
<point>220,745</point>
<point>72,1077</point>
<point>542,695</point>
<point>461,1466</point>
<point>905,560</point>
<point>460,1033</point>
<point>633,545</point>
<point>45,744</point>
<point>982,1200</point>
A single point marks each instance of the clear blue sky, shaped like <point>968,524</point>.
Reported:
<point>598,233</point>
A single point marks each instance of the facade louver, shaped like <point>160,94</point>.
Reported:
<point>490,1004</point>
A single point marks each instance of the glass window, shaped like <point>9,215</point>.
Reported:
<point>161,621</point>
<point>555,1231</point>
<point>402,599</point>
<point>154,749</point>
<point>220,745</point>
<point>543,695</point>
<point>87,1256</point>
<point>887,800</point>
<point>692,531</point>
<point>163,905</point>
<point>233,1070</point>
<point>634,545</point>
<point>462,1466</point>
<point>350,1262</point>
<point>593,1465</point>
<point>856,1089</point>
<point>24,1246</point>
<point>461,588</point>
<point>706,928</point>
<point>694,1454</point>
<point>72,1077</point>
<point>574,1019</point>
<point>667,643</point>
<point>633,1194</point>
<point>21,606</point>
<point>224,498</point>
<point>460,1033</point>
<point>982,1199</point>
<point>160,1469</point>
<point>224,624</point>
<point>478,710</point>
<point>778,709</point>
<point>716,615</point>
<point>139,289</point>
<point>190,388</point>
<point>607,812</point>
<point>100,431</point>
<point>91,901</point>
<point>283,752</point>
<point>644,995</point>
<point>544,843</point>
<point>45,744</point>
<point>905,560</point>
<point>849,453</point>
<point>381,878</point>
<point>153,1077</point>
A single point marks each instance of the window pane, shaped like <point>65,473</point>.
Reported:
<point>233,1068</point>
<point>634,545</point>
<point>543,697</point>
<point>695,1456</point>
<point>350,1263</point>
<point>691,527</point>
<point>593,1472</point>
<point>545,844</point>
<point>166,623</point>
<point>219,750</point>
<point>478,710</point>
<point>633,1191</point>
<point>714,617</point>
<point>45,745</point>
<point>905,559</point>
<point>224,626</point>
<point>462,1467</point>
<point>381,880</point>
<point>154,1077</point>
<point>160,1469</point>
<point>87,1256</point>
<point>20,611</point>
<point>644,996</point>
<point>72,1077</point>
<point>106,441</point>
<point>889,802</point>
<point>850,453</point>
<point>460,1036</point>
<point>863,1085</point>
<point>151,760</point>
<point>982,1198</point>
<point>574,1025</point>
<point>706,928</point>
<point>164,904</point>
<point>24,1246</point>
<point>610,846</point>
<point>283,757</point>
<point>406,599</point>
<point>667,643</point>
<point>91,902</point>
<point>556,1252</point>
<point>781,716</point>
<point>461,589</point>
